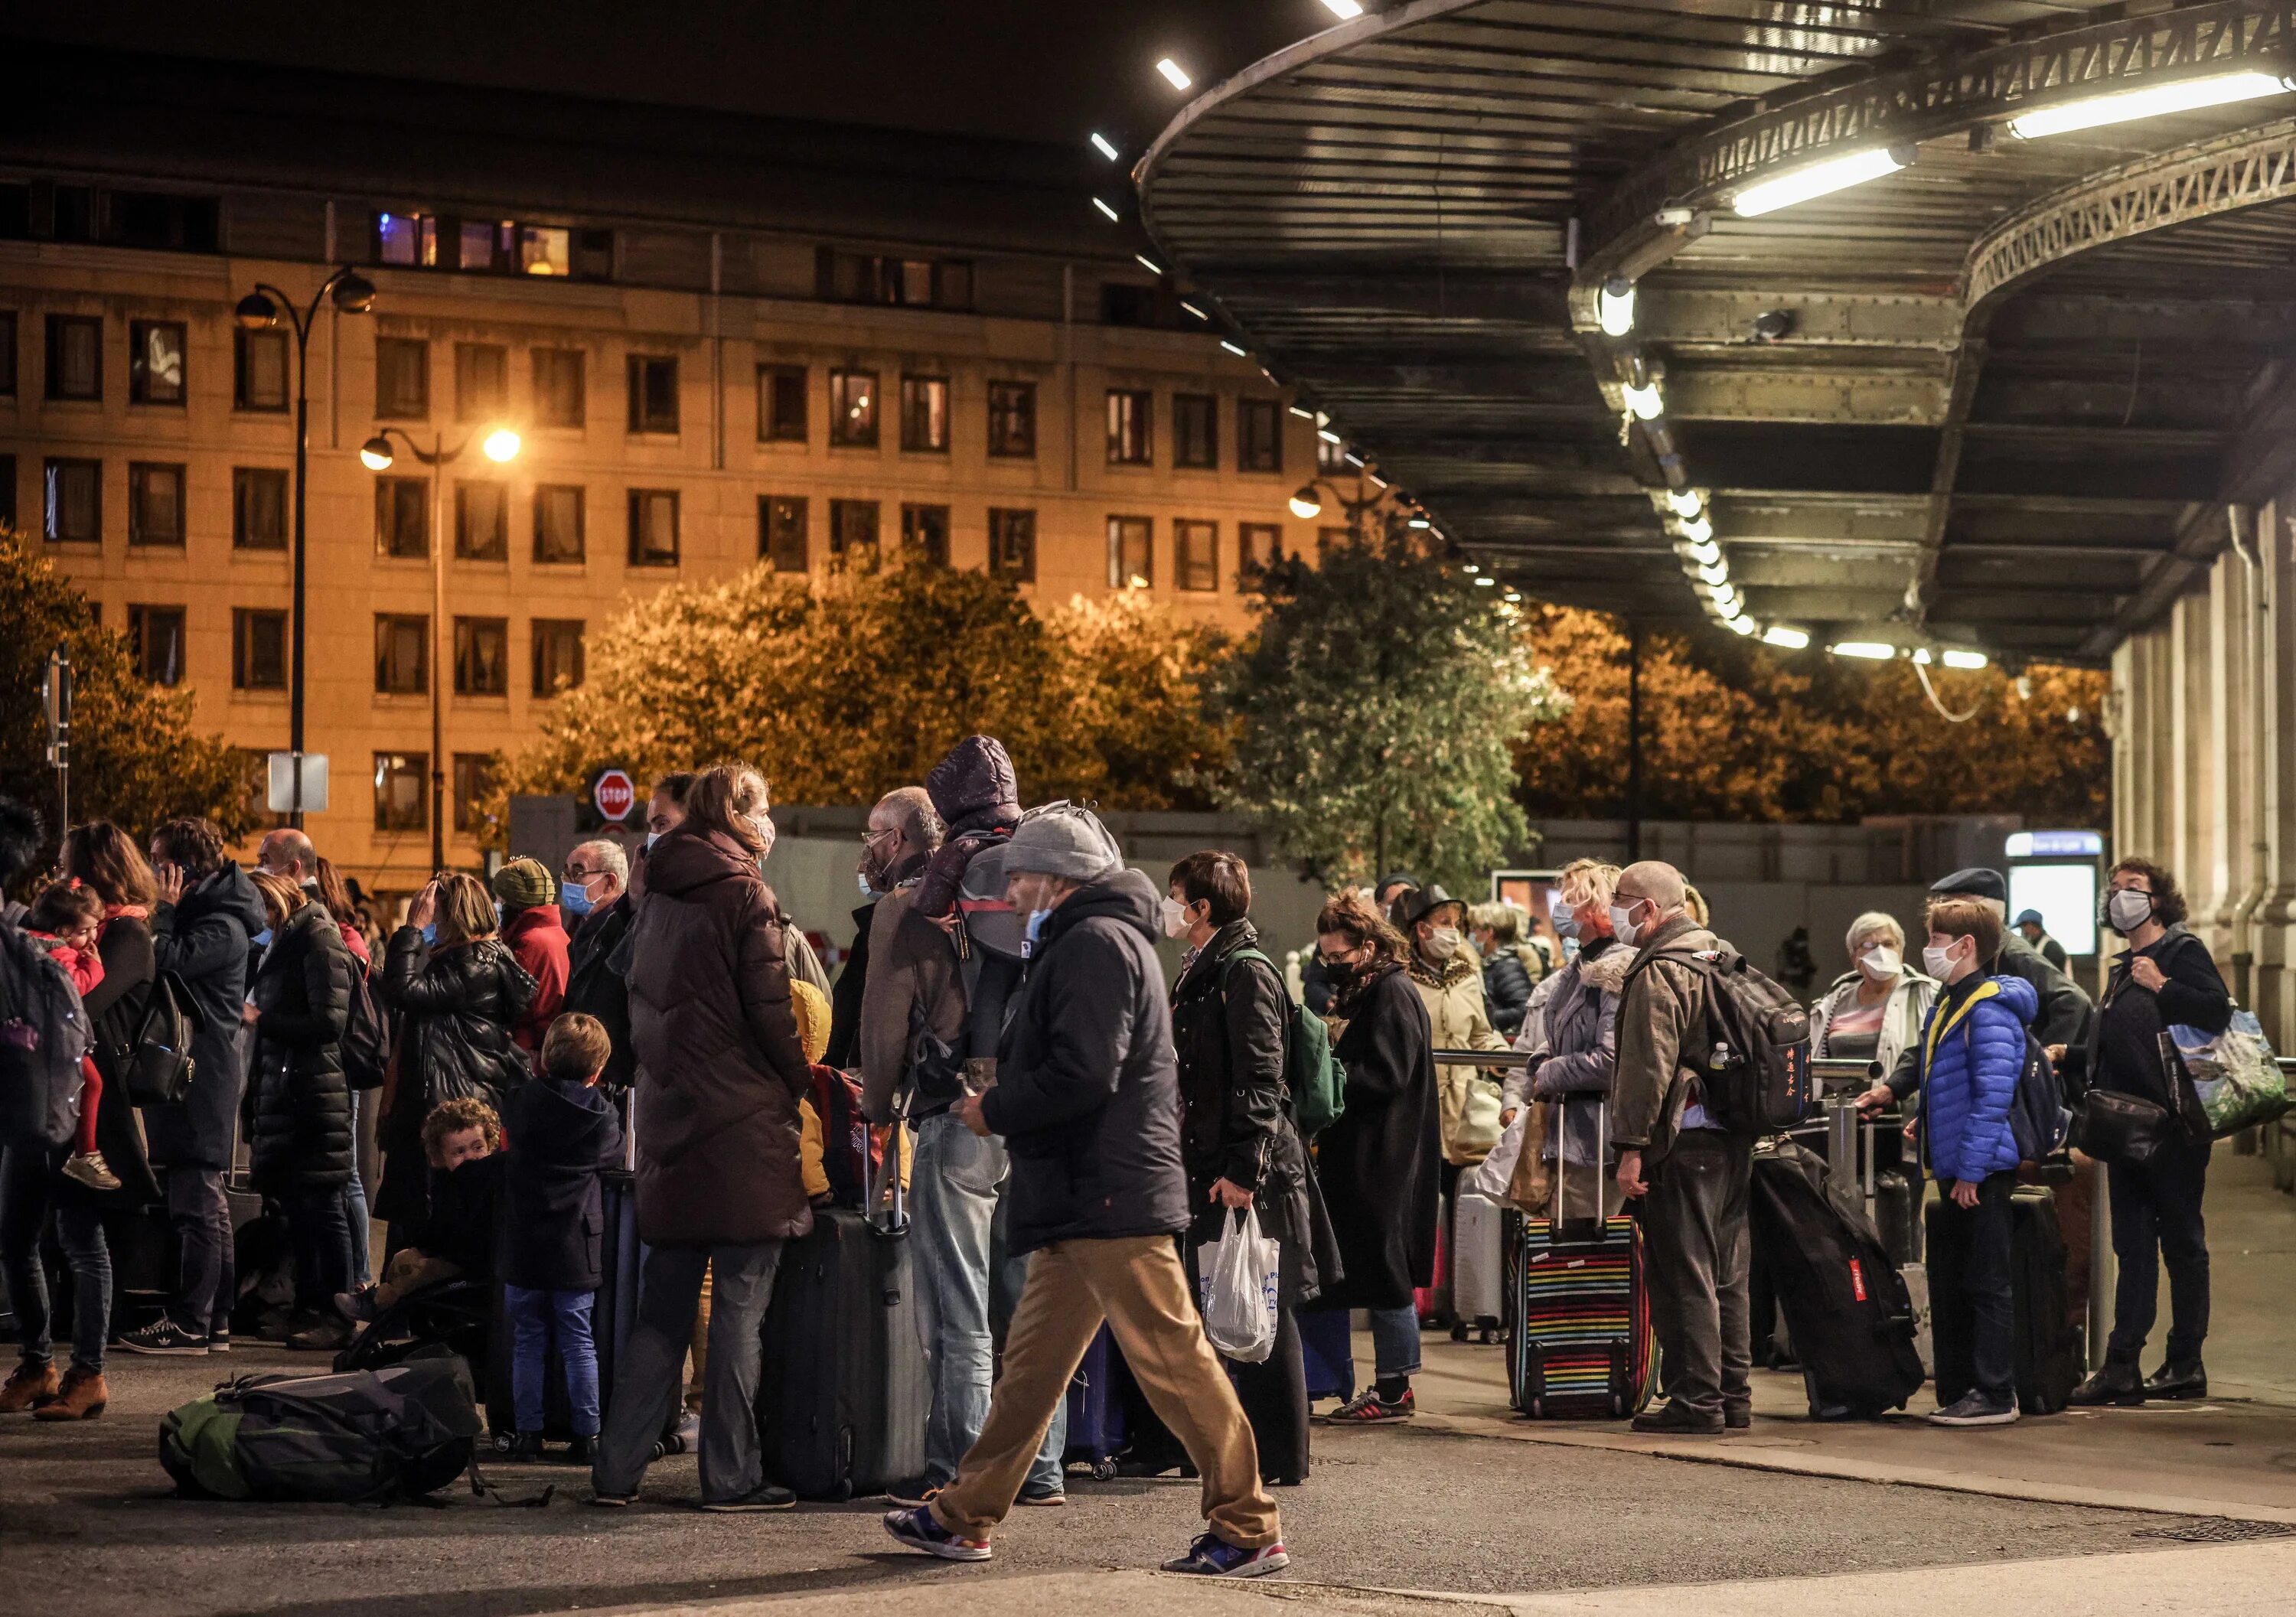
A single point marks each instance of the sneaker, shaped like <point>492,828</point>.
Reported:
<point>219,1339</point>
<point>765,1496</point>
<point>1051,1500</point>
<point>164,1337</point>
<point>326,1336</point>
<point>518,1445</point>
<point>1210,1556</point>
<point>1677,1420</point>
<point>914,1492</point>
<point>1368,1408</point>
<point>29,1386</point>
<point>1973,1409</point>
<point>919,1531</point>
<point>2173,1380</point>
<point>89,1169</point>
<point>358,1306</point>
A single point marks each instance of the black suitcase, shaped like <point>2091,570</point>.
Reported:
<point>844,1393</point>
<point>612,1316</point>
<point>2048,1345</point>
<point>1843,1300</point>
<point>1095,1430</point>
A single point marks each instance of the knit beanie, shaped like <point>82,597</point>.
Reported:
<point>525,883</point>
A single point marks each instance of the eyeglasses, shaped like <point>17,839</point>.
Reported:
<point>575,872</point>
<point>869,839</point>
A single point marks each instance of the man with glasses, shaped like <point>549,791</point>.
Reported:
<point>594,891</point>
<point>902,833</point>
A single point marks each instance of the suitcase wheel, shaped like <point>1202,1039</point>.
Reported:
<point>1458,1330</point>
<point>1105,1470</point>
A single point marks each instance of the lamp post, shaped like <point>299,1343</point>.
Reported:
<point>500,445</point>
<point>1306,505</point>
<point>259,311</point>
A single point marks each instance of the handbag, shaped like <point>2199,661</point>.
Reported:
<point>2113,1127</point>
<point>2235,1081</point>
<point>157,1065</point>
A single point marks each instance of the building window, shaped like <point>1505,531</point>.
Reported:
<point>8,489</point>
<point>782,532</point>
<point>481,656</point>
<point>653,393</point>
<point>1012,544</point>
<point>1130,441</point>
<point>7,353</point>
<point>546,249</point>
<point>1131,552</point>
<point>1013,419</point>
<point>481,380</point>
<point>1330,453</point>
<point>402,790</point>
<point>74,514</point>
<point>75,357</point>
<point>558,522</point>
<point>924,536</point>
<point>481,522</point>
<point>160,220</point>
<point>1195,429</point>
<point>155,504</point>
<point>258,650</point>
<point>410,240</point>
<point>155,639</point>
<point>1258,546</point>
<point>781,403</point>
<point>1195,555</point>
<point>557,655</point>
<point>853,534</point>
<point>653,527</point>
<point>402,517</point>
<point>474,780</point>
<point>1258,435</point>
<point>560,399</point>
<point>853,409</point>
<point>860,277</point>
<point>155,362</point>
<point>402,378</point>
<point>402,654</point>
<point>1328,539</point>
<point>259,508</point>
<point>924,413</point>
<point>483,245</point>
<point>258,379</point>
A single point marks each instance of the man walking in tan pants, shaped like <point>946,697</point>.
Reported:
<point>1087,1097</point>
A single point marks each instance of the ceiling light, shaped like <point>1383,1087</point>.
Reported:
<point>1192,309</point>
<point>501,445</point>
<point>1921,656</point>
<point>1685,502</point>
<point>1306,505</point>
<point>1174,75</point>
<point>1354,460</point>
<point>1719,573</point>
<point>1103,205</point>
<point>1471,569</point>
<point>1697,530</point>
<point>1421,521</point>
<point>1645,402</point>
<point>1781,635</point>
<point>1872,650</point>
<point>1820,179</point>
<point>1513,594</point>
<point>1303,414</point>
<point>1738,625</point>
<point>1147,263</point>
<point>1706,554</point>
<point>1102,144</point>
<point>2153,100</point>
<point>1327,435</point>
<point>1343,9</point>
<point>1231,349</point>
<point>1488,582</point>
<point>375,454</point>
<point>1614,306</point>
<point>1964,659</point>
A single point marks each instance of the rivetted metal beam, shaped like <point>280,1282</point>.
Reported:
<point>1841,319</point>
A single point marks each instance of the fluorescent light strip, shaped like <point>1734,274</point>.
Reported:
<point>1147,263</point>
<point>1647,403</point>
<point>1100,203</point>
<point>1964,659</point>
<point>1871,651</point>
<point>1816,180</point>
<point>1192,309</point>
<point>1781,635</point>
<point>1344,10</point>
<point>1231,349</point>
<point>1303,414</point>
<point>1173,74</point>
<point>1104,146</point>
<point>2153,100</point>
<point>1614,311</point>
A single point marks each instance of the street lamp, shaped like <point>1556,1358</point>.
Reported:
<point>1306,505</point>
<point>259,311</point>
<point>499,445</point>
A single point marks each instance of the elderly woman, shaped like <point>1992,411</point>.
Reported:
<point>1875,1012</point>
<point>1576,1032</point>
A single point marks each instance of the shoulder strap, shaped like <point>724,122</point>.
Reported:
<point>1941,1026</point>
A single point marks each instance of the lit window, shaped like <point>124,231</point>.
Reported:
<point>479,244</point>
<point>1130,441</point>
<point>653,527</point>
<point>853,409</point>
<point>74,502</point>
<point>481,521</point>
<point>1131,552</point>
<point>410,240</point>
<point>402,790</point>
<point>558,522</point>
<point>546,249</point>
<point>924,413</point>
<point>1258,546</point>
<point>155,362</point>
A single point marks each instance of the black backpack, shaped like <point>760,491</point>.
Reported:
<point>44,1033</point>
<point>1755,1066</point>
<point>366,1036</point>
<point>158,1060</point>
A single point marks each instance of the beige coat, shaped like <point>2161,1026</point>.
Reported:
<point>1466,1098</point>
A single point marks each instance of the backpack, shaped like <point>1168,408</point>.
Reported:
<point>157,1061</point>
<point>43,1033</point>
<point>366,1036</point>
<point>849,1148</point>
<point>2039,1120</point>
<point>1755,1071</point>
<point>1312,1075</point>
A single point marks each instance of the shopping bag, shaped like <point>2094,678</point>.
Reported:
<point>1489,1178</point>
<point>1533,1184</point>
<point>2234,1073</point>
<point>1240,1275</point>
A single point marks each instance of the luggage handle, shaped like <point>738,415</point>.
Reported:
<point>1563,1162</point>
<point>885,1185</point>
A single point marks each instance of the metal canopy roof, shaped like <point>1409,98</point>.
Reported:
<point>2013,377</point>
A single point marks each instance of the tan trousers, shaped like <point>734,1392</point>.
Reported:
<point>409,1270</point>
<point>1139,1287</point>
<point>699,1347</point>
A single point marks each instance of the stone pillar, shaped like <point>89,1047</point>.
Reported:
<point>2273,988</point>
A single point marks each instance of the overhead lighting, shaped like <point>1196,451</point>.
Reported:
<point>1354,460</point>
<point>1231,349</point>
<point>1471,569</point>
<point>1323,420</point>
<point>1375,480</point>
<point>1421,521</point>
<point>1102,144</point>
<point>1102,203</point>
<point>1697,530</point>
<point>1327,435</point>
<point>1719,573</point>
<point>1646,402</point>
<point>1705,552</point>
<point>1738,625</point>
<point>1513,595</point>
<point>1192,309</point>
<point>375,454</point>
<point>1488,582</point>
<point>1173,74</point>
<point>1922,658</point>
<point>1964,659</point>
<point>1685,502</point>
<point>2153,100</point>
<point>1781,635</point>
<point>1306,505</point>
<point>1820,179</point>
<point>1147,263</point>
<point>501,445</point>
<point>1344,10</point>
<point>1871,651</point>
<point>1303,414</point>
<point>1614,306</point>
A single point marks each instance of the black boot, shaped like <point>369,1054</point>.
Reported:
<point>2178,1378</point>
<point>2115,1383</point>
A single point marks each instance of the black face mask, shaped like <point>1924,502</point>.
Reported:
<point>1341,971</point>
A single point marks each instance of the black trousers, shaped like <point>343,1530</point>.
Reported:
<point>1972,1302</point>
<point>1698,1255</point>
<point>2156,1220</point>
<point>1274,1393</point>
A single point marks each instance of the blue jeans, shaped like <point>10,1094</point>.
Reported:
<point>534,1317</point>
<point>1395,1340</point>
<point>27,1186</point>
<point>954,1179</point>
<point>354,1208</point>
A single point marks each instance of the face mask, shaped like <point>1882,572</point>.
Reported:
<point>2128,909</point>
<point>499,914</point>
<point>1880,963</point>
<point>1340,971</point>
<point>574,897</point>
<point>1442,943</point>
<point>1176,918</point>
<point>262,939</point>
<point>1035,926</point>
<point>1939,962</point>
<point>430,932</point>
<point>652,837</point>
<point>1623,924</point>
<point>1566,926</point>
<point>868,891</point>
<point>765,824</point>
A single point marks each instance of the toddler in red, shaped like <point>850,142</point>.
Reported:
<point>64,920</point>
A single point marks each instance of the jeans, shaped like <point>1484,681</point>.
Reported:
<point>1973,1244</point>
<point>954,1183</point>
<point>647,1382</point>
<point>1395,1341</point>
<point>207,1283</point>
<point>2156,1220</point>
<point>1700,1256</point>
<point>27,1178</point>
<point>319,1231</point>
<point>355,1205</point>
<point>535,1318</point>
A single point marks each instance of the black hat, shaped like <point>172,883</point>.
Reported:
<point>1977,881</point>
<point>2034,916</point>
<point>1417,905</point>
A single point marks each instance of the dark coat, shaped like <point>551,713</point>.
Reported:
<point>1087,1087</point>
<point>455,1009</point>
<point>1380,1162</point>
<point>303,1136</point>
<point>536,940</point>
<point>720,1071</point>
<point>978,797</point>
<point>1506,991</point>
<point>1229,1024</point>
<point>203,939</point>
<point>2066,1009</point>
<point>594,989</point>
<point>114,1007</point>
<point>844,1051</point>
<point>460,1221</point>
<point>2122,1049</point>
<point>561,1135</point>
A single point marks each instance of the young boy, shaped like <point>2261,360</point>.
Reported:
<point>1973,1053</point>
<point>563,1131</point>
<point>64,920</point>
<point>459,1137</point>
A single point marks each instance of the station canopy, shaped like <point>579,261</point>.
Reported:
<point>1951,325</point>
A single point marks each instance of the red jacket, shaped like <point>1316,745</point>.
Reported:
<point>536,940</point>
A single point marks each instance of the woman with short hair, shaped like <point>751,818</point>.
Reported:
<point>1873,1012</point>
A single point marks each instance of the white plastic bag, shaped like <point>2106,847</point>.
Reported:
<point>1488,1179</point>
<point>1239,1275</point>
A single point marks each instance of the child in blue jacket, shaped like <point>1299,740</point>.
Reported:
<point>1972,1054</point>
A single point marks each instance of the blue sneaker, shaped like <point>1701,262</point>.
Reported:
<point>1214,1558</point>
<point>918,1530</point>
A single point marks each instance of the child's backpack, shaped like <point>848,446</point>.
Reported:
<point>1311,1072</point>
<point>43,1033</point>
<point>366,1036</point>
<point>1755,1066</point>
<point>849,1148</point>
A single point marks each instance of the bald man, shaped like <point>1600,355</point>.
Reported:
<point>1689,1174</point>
<point>288,852</point>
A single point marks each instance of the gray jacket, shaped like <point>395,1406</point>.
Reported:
<point>1581,1056</point>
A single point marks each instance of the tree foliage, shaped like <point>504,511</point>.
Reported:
<point>1739,732</point>
<point>843,692</point>
<point>1376,712</point>
<point>134,757</point>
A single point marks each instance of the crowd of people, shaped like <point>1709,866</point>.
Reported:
<point>1082,1129</point>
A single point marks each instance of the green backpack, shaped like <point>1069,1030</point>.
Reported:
<point>1317,1083</point>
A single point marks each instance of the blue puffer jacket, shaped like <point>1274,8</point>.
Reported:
<point>1974,1048</point>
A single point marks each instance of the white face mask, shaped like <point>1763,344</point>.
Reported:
<point>652,837</point>
<point>1622,925</point>
<point>2128,909</point>
<point>1442,943</point>
<point>765,824</point>
<point>1939,962</point>
<point>1880,963</point>
<point>1176,917</point>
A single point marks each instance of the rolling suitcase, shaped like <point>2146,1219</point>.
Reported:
<point>1433,1299</point>
<point>1327,1347</point>
<point>1478,1267</point>
<point>844,1392</point>
<point>1584,1350</point>
<point>1892,1194</point>
<point>1096,1409</point>
<point>2049,1360</point>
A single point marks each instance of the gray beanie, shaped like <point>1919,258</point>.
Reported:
<point>1063,838</point>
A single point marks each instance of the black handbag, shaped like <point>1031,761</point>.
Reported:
<point>157,1061</point>
<point>2115,1128</point>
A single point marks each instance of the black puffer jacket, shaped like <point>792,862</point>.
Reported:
<point>978,797</point>
<point>1087,1088</point>
<point>1506,991</point>
<point>302,995</point>
<point>203,939</point>
<point>455,1009</point>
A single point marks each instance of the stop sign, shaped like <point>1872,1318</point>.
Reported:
<point>615,794</point>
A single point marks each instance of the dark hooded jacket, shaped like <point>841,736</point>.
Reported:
<point>720,1071</point>
<point>455,1009</point>
<point>1088,1089</point>
<point>978,797</point>
<point>203,939</point>
<point>561,1135</point>
<point>1380,1162</point>
<point>115,1006</point>
<point>594,989</point>
<point>302,995</point>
